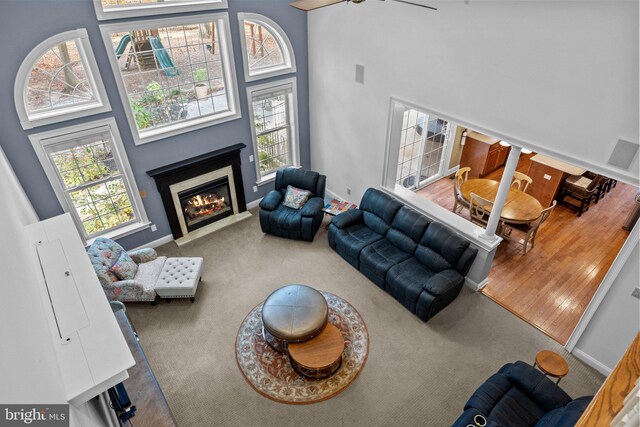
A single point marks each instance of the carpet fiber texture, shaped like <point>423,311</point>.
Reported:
<point>416,374</point>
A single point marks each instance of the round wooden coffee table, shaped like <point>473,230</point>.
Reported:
<point>318,357</point>
<point>551,364</point>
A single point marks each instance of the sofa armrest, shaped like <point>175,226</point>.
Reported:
<point>538,388</point>
<point>440,282</point>
<point>271,201</point>
<point>312,207</point>
<point>348,218</point>
<point>128,290</point>
<point>487,396</point>
<point>143,255</point>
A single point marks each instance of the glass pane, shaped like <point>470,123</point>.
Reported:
<point>58,80</point>
<point>273,151</point>
<point>103,206</point>
<point>263,49</point>
<point>171,74</point>
<point>410,143</point>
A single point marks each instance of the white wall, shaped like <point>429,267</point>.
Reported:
<point>615,322</point>
<point>561,77</point>
<point>29,371</point>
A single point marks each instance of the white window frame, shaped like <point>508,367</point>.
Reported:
<point>150,9</point>
<point>266,88</point>
<point>228,63</point>
<point>42,141</point>
<point>55,115</point>
<point>279,34</point>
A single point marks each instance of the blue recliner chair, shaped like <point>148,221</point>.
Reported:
<point>520,395</point>
<point>297,224</point>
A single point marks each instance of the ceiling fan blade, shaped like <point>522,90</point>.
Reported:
<point>416,4</point>
<point>308,5</point>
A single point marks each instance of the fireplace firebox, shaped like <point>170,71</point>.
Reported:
<point>203,193</point>
<point>206,203</point>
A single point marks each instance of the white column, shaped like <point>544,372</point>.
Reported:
<point>503,191</point>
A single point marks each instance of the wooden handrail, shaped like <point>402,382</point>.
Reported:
<point>609,400</point>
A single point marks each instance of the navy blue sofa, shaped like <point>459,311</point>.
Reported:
<point>520,395</point>
<point>298,224</point>
<point>420,262</point>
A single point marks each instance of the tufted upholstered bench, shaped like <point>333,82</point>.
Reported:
<point>179,278</point>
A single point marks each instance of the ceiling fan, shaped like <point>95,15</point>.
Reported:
<point>308,5</point>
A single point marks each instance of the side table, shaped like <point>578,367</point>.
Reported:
<point>551,364</point>
<point>334,206</point>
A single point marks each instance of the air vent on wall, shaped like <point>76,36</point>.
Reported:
<point>623,154</point>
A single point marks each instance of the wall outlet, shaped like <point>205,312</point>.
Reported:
<point>359,73</point>
<point>251,158</point>
<point>255,188</point>
<point>636,293</point>
<point>348,191</point>
<point>154,228</point>
<point>547,177</point>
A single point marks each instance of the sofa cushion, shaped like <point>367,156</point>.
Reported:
<point>377,258</point>
<point>379,210</point>
<point>295,198</point>
<point>431,259</point>
<point>124,267</point>
<point>352,240</point>
<point>299,178</point>
<point>516,409</point>
<point>405,282</point>
<point>407,229</point>
<point>444,242</point>
<point>566,416</point>
<point>285,218</point>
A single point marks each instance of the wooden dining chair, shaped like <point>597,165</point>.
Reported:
<point>479,210</point>
<point>529,230</point>
<point>461,176</point>
<point>520,181</point>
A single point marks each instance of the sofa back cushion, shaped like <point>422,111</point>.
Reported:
<point>379,210</point>
<point>441,248</point>
<point>103,253</point>
<point>407,229</point>
<point>299,178</point>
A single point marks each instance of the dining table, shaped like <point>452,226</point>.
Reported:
<point>519,208</point>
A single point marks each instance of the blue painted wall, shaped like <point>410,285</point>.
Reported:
<point>25,23</point>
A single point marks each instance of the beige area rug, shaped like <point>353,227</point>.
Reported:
<point>270,372</point>
<point>416,374</point>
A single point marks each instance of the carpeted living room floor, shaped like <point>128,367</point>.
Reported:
<point>417,373</point>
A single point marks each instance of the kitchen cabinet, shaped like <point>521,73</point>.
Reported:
<point>482,154</point>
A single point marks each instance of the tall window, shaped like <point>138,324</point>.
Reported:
<point>89,171</point>
<point>174,75</point>
<point>59,80</point>
<point>274,126</point>
<point>267,51</point>
<point>116,9</point>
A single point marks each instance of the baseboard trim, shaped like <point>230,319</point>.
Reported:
<point>254,204</point>
<point>598,366</point>
<point>453,170</point>
<point>334,195</point>
<point>158,242</point>
<point>475,286</point>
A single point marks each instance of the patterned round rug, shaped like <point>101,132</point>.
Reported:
<point>270,373</point>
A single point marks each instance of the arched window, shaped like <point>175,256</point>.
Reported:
<point>59,80</point>
<point>267,51</point>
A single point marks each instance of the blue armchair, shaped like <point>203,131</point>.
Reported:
<point>297,224</point>
<point>520,395</point>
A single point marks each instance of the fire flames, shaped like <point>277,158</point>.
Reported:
<point>204,204</point>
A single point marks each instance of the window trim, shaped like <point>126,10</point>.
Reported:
<point>228,62</point>
<point>266,88</point>
<point>289,65</point>
<point>40,142</point>
<point>55,115</point>
<point>150,9</point>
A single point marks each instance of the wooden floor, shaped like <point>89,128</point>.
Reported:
<point>551,286</point>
